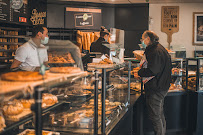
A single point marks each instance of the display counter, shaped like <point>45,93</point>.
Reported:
<point>72,103</point>
<point>99,102</point>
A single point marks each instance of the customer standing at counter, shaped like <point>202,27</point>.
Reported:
<point>98,46</point>
<point>33,53</point>
<point>156,74</point>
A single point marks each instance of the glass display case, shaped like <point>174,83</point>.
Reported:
<point>194,74</point>
<point>78,103</point>
<point>177,73</point>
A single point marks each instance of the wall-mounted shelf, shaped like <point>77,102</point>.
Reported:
<point>6,58</point>
<point>10,43</point>
<point>13,36</point>
<point>4,50</point>
<point>9,28</point>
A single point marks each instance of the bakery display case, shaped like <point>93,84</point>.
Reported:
<point>19,93</point>
<point>63,102</point>
<point>178,74</point>
<point>63,53</point>
<point>115,95</point>
<point>194,74</point>
<point>136,83</point>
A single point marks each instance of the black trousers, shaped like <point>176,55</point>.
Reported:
<point>154,103</point>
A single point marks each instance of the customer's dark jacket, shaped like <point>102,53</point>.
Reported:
<point>98,46</point>
<point>159,65</point>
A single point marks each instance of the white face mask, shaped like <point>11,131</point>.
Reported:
<point>45,41</point>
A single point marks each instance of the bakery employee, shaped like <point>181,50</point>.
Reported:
<point>33,53</point>
<point>98,46</point>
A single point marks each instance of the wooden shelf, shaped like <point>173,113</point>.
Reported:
<point>8,28</point>
<point>3,50</point>
<point>14,36</point>
<point>6,58</point>
<point>5,65</point>
<point>10,43</point>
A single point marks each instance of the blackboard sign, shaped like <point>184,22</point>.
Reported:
<point>169,21</point>
<point>14,11</point>
<point>83,18</point>
<point>38,12</point>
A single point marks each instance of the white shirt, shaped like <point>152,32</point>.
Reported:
<point>31,56</point>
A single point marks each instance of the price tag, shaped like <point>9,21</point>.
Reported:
<point>120,107</point>
<point>103,57</point>
<point>118,112</point>
<point>108,122</point>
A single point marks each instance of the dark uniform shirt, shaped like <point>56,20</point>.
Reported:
<point>98,46</point>
<point>159,65</point>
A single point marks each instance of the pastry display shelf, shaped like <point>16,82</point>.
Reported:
<point>51,81</point>
<point>29,117</point>
<point>10,43</point>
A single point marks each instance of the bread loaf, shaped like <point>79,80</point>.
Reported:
<point>79,39</point>
<point>92,37</point>
<point>49,99</point>
<point>2,123</point>
<point>85,41</point>
<point>12,108</point>
<point>88,41</point>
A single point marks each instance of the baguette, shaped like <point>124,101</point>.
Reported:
<point>92,37</point>
<point>88,41</point>
<point>79,39</point>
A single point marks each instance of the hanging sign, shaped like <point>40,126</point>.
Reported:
<point>170,21</point>
<point>82,20</point>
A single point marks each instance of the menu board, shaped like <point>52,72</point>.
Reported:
<point>14,11</point>
<point>170,21</point>
<point>83,18</point>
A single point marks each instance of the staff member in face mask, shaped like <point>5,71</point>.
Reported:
<point>31,55</point>
<point>156,76</point>
<point>98,46</point>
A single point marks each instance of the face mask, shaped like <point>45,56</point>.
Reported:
<point>143,44</point>
<point>45,41</point>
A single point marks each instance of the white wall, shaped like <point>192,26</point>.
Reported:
<point>184,36</point>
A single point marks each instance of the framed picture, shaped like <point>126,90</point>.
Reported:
<point>197,28</point>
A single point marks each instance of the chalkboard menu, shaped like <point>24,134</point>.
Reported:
<point>83,18</point>
<point>14,11</point>
<point>169,21</point>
